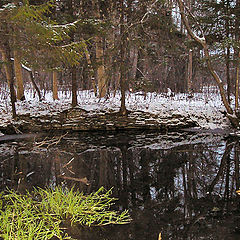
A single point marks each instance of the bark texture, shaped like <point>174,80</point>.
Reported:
<point>101,75</point>
<point>55,86</point>
<point>74,87</point>
<point>5,50</point>
<point>18,75</point>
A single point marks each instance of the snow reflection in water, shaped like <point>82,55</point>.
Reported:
<point>179,184</point>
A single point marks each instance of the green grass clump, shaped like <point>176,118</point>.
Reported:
<point>45,213</point>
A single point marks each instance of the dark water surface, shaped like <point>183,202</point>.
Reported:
<point>180,184</point>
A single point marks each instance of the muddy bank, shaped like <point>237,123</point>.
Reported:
<point>77,119</point>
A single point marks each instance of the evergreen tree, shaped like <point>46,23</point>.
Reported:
<point>30,33</point>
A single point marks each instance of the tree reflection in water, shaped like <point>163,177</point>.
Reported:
<point>186,191</point>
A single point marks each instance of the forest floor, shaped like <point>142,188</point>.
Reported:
<point>204,108</point>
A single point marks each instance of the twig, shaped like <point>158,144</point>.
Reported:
<point>51,142</point>
<point>148,11</point>
<point>17,130</point>
<point>82,180</point>
<point>68,162</point>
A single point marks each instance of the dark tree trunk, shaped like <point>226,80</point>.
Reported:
<point>13,98</point>
<point>123,110</point>
<point>237,53</point>
<point>74,87</point>
<point>236,161</point>
<point>228,57</point>
<point>228,75</point>
<point>10,76</point>
<point>35,85</point>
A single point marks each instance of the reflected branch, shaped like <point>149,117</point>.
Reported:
<point>228,149</point>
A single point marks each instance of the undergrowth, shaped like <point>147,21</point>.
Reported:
<point>46,213</point>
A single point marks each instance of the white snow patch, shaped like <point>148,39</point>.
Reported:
<point>206,110</point>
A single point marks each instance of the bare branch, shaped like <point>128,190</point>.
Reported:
<point>148,11</point>
<point>194,18</point>
<point>200,40</point>
<point>203,43</point>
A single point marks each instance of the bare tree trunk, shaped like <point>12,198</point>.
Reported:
<point>7,68</point>
<point>101,75</point>
<point>117,81</point>
<point>218,81</point>
<point>90,66</point>
<point>237,54</point>
<point>74,87</point>
<point>228,75</point>
<point>35,85</point>
<point>18,76</point>
<point>123,110</point>
<point>228,57</point>
<point>102,81</point>
<point>9,74</point>
<point>237,84</point>
<point>190,71</point>
<point>134,61</point>
<point>113,40</point>
<point>55,86</point>
<point>71,9</point>
<point>190,62</point>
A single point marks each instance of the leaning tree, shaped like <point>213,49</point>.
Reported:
<point>199,36</point>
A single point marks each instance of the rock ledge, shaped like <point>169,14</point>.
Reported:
<point>77,119</point>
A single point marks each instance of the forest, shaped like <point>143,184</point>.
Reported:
<point>161,46</point>
<point>119,119</point>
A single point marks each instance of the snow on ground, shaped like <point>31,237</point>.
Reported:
<point>205,108</point>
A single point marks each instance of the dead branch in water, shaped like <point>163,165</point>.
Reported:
<point>82,180</point>
<point>49,142</point>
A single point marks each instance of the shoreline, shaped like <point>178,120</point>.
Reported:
<point>155,111</point>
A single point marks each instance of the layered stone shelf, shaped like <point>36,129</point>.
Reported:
<point>77,119</point>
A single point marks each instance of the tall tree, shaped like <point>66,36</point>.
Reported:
<point>202,41</point>
<point>237,52</point>
<point>5,51</point>
<point>17,61</point>
<point>218,22</point>
<point>190,60</point>
<point>101,73</point>
<point>123,110</point>
<point>6,55</point>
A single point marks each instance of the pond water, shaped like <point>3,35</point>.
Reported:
<point>180,184</point>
